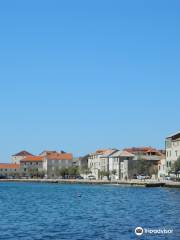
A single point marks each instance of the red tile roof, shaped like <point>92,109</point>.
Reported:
<point>9,166</point>
<point>143,150</point>
<point>59,156</point>
<point>32,159</point>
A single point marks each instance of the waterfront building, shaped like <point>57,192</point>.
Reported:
<point>172,146</point>
<point>99,161</point>
<point>32,165</point>
<point>151,155</point>
<point>9,170</point>
<point>83,162</point>
<point>121,165</point>
<point>146,153</point>
<point>75,161</point>
<point>16,158</point>
<point>162,169</point>
<point>47,163</point>
<point>53,162</point>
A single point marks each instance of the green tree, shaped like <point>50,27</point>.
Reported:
<point>41,174</point>
<point>103,174</point>
<point>73,171</point>
<point>63,172</point>
<point>85,170</point>
<point>177,167</point>
<point>114,172</point>
<point>142,166</point>
<point>33,173</point>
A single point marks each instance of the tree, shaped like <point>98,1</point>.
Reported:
<point>142,166</point>
<point>73,171</point>
<point>33,172</point>
<point>103,174</point>
<point>113,172</point>
<point>63,172</point>
<point>41,174</point>
<point>177,166</point>
<point>85,170</point>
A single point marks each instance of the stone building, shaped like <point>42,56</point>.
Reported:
<point>9,170</point>
<point>16,158</point>
<point>172,146</point>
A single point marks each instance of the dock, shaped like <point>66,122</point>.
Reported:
<point>140,183</point>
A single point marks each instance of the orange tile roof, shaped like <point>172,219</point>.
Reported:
<point>9,166</point>
<point>60,156</point>
<point>32,159</point>
<point>143,150</point>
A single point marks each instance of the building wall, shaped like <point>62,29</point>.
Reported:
<point>17,159</point>
<point>94,165</point>
<point>9,171</point>
<point>172,152</point>
<point>53,165</point>
<point>27,167</point>
<point>123,167</point>
<point>162,168</point>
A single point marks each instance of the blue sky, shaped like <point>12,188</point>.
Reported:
<point>80,75</point>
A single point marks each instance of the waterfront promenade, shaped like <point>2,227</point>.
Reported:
<point>134,182</point>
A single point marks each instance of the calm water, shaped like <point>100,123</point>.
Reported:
<point>80,212</point>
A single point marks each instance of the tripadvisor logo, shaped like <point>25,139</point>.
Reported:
<point>139,231</point>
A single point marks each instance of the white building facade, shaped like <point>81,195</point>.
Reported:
<point>120,165</point>
<point>99,162</point>
<point>172,145</point>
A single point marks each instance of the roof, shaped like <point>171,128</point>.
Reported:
<point>122,153</point>
<point>59,156</point>
<point>23,154</point>
<point>102,152</point>
<point>47,152</point>
<point>9,166</point>
<point>175,135</point>
<point>32,159</point>
<point>135,150</point>
<point>108,153</point>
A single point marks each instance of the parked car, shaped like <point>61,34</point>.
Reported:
<point>91,177</point>
<point>79,177</point>
<point>142,177</point>
<point>167,178</point>
<point>3,177</point>
<point>105,178</point>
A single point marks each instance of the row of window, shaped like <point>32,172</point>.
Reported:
<point>169,153</point>
<point>35,169</point>
<point>168,164</point>
<point>30,163</point>
<point>175,144</point>
<point>5,169</point>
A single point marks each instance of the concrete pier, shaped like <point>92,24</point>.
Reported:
<point>147,183</point>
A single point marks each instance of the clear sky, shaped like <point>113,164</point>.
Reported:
<point>81,75</point>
